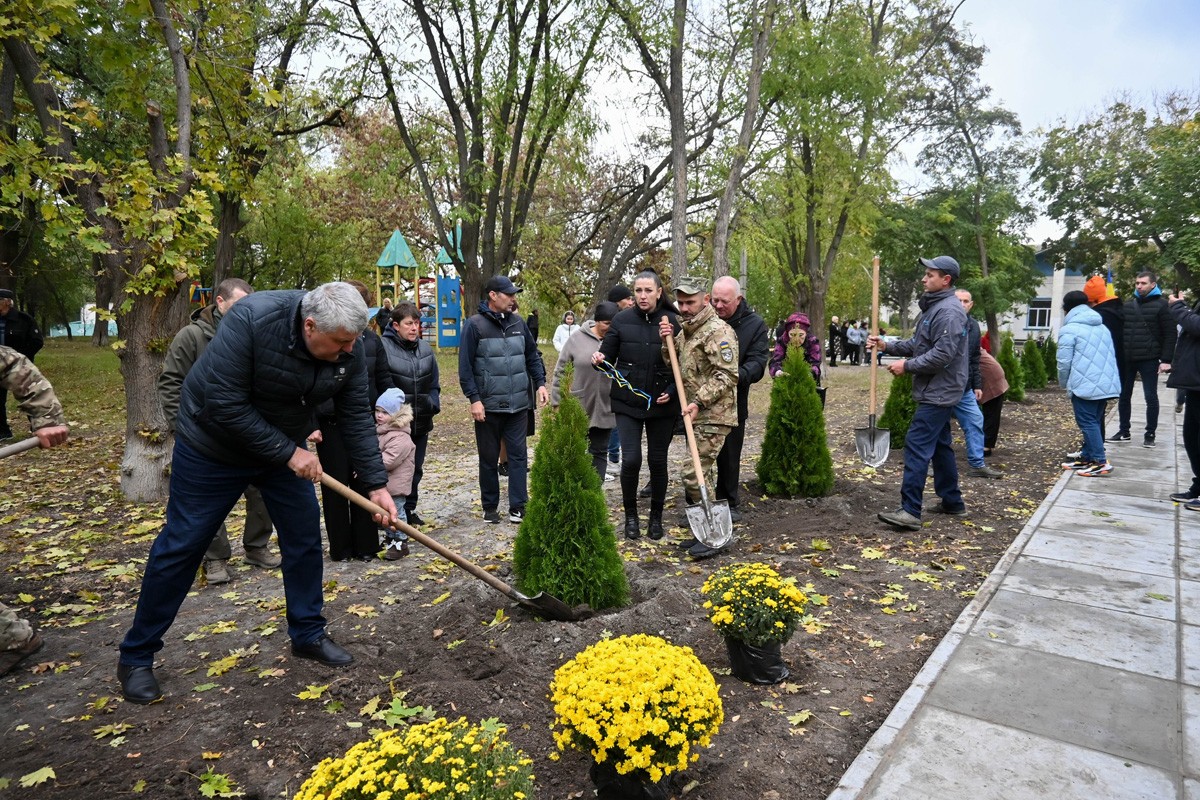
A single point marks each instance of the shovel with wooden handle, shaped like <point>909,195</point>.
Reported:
<point>542,604</point>
<point>873,444</point>
<point>710,522</point>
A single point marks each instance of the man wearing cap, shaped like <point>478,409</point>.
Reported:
<point>1149,334</point>
<point>20,332</point>
<point>497,363</point>
<point>708,364</point>
<point>753,353</point>
<point>936,356</point>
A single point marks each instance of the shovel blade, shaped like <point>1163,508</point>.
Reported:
<point>873,444</point>
<point>550,607</point>
<point>710,523</point>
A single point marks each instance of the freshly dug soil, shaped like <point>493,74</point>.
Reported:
<point>72,552</point>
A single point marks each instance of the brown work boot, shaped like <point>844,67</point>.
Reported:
<point>262,557</point>
<point>10,658</point>
<point>215,571</point>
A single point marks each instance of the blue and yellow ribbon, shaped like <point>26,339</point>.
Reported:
<point>612,372</point>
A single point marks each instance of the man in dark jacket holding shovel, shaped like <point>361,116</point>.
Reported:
<point>936,356</point>
<point>246,409</point>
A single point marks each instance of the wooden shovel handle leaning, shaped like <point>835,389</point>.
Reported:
<point>874,329</point>
<point>687,420</point>
<point>451,556</point>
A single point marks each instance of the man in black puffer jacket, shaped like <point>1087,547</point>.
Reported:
<point>1185,375</point>
<point>1149,348</point>
<point>754,351</point>
<point>497,363</point>
<point>246,409</point>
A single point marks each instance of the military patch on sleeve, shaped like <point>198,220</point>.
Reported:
<point>726,352</point>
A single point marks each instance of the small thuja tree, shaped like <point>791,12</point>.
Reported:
<point>899,409</point>
<point>1012,370</point>
<point>1050,359</point>
<point>565,545</point>
<point>1033,364</point>
<point>795,455</point>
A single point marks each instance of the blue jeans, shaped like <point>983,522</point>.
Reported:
<point>1148,370</point>
<point>202,493</point>
<point>1088,414</point>
<point>970,419</point>
<point>614,447</point>
<point>928,441</point>
<point>512,428</point>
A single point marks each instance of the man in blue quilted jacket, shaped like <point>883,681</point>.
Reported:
<point>245,412</point>
<point>937,358</point>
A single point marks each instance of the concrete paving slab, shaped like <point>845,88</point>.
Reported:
<point>1117,483</point>
<point>1191,790</point>
<point>1189,602</point>
<point>1100,708</point>
<point>1102,548</point>
<point>1102,587</point>
<point>1126,641</point>
<point>1189,561</point>
<point>1190,650</point>
<point>1089,520</point>
<point>1191,731</point>
<point>1074,497</point>
<point>952,757</point>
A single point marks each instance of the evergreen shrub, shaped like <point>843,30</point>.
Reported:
<point>1012,369</point>
<point>899,409</point>
<point>1050,359</point>
<point>1033,364</point>
<point>566,545</point>
<point>795,454</point>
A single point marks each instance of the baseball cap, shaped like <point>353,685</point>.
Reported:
<point>945,264</point>
<point>500,283</point>
<point>391,400</point>
<point>689,285</point>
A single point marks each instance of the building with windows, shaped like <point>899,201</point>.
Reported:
<point>1042,315</point>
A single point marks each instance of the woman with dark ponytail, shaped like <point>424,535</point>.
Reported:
<point>643,397</point>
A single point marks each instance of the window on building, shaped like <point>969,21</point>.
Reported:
<point>1039,313</point>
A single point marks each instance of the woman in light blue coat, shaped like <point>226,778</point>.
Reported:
<point>1087,368</point>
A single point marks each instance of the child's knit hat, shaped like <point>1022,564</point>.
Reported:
<point>391,400</point>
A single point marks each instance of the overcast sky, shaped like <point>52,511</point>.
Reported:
<point>1054,59</point>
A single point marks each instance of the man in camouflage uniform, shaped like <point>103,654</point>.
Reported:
<point>36,398</point>
<point>708,364</point>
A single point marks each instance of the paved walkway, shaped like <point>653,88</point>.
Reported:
<point>1075,672</point>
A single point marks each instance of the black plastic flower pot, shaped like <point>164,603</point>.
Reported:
<point>756,664</point>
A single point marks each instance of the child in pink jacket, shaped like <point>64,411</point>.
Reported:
<point>392,423</point>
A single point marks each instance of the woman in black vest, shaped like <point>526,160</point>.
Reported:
<point>414,370</point>
<point>648,402</point>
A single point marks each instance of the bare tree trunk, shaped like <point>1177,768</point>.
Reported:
<point>229,223</point>
<point>762,38</point>
<point>678,147</point>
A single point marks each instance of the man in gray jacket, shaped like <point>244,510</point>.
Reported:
<point>936,356</point>
<point>185,350</point>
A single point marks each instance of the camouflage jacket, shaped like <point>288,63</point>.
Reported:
<point>33,392</point>
<point>708,363</point>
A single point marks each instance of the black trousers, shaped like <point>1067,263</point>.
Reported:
<point>598,439</point>
<point>991,421</point>
<point>658,441</point>
<point>350,530</point>
<point>729,464</point>
<point>1191,436</point>
<point>421,441</point>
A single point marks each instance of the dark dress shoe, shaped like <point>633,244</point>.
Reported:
<point>632,528</point>
<point>734,514</point>
<point>655,527</point>
<point>688,543</point>
<point>701,550</point>
<point>138,684</point>
<point>645,492</point>
<point>414,519</point>
<point>325,650</point>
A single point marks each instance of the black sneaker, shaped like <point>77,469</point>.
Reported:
<point>644,492</point>
<point>1119,436</point>
<point>1148,440</point>
<point>414,519</point>
<point>492,517</point>
<point>1183,497</point>
<point>516,515</point>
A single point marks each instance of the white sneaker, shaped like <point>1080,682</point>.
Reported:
<point>609,477</point>
<point>1078,454</point>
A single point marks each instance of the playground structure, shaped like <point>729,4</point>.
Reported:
<point>439,298</point>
